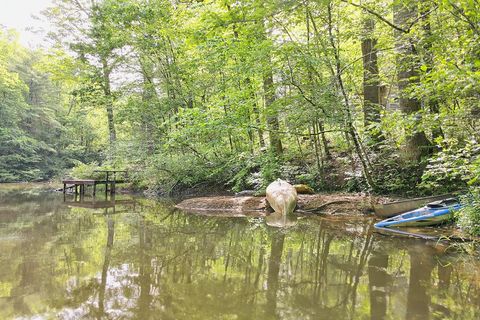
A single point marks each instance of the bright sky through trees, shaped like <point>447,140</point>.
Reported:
<point>20,14</point>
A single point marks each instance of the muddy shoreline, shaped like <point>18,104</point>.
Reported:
<point>322,203</point>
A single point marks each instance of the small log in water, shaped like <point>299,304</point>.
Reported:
<point>282,196</point>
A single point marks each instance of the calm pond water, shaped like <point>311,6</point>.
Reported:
<point>143,260</point>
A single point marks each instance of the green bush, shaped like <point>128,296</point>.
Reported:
<point>392,174</point>
<point>456,165</point>
<point>86,171</point>
<point>468,217</point>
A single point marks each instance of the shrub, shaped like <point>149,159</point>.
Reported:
<point>453,167</point>
<point>468,217</point>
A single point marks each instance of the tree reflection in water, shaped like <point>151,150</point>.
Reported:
<point>274,263</point>
<point>418,299</point>
<point>378,281</point>
<point>154,263</point>
<point>106,264</point>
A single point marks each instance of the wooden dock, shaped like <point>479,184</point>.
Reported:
<point>80,185</point>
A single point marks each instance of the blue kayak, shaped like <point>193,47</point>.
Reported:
<point>432,214</point>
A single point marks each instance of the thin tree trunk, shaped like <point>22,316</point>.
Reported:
<point>326,148</point>
<point>349,121</point>
<point>256,115</point>
<point>108,101</point>
<point>317,151</point>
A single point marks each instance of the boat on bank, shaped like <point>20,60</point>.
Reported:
<point>433,213</point>
<point>387,210</point>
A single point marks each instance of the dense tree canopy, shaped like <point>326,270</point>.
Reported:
<point>361,95</point>
<point>37,117</point>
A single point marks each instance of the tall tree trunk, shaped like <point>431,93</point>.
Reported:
<point>272,115</point>
<point>269,98</point>
<point>256,112</point>
<point>148,97</point>
<point>108,101</point>
<point>417,145</point>
<point>426,43</point>
<point>371,81</point>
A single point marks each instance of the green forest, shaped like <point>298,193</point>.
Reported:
<point>373,96</point>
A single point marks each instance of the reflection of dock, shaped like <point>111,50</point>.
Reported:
<point>96,203</point>
<point>100,204</point>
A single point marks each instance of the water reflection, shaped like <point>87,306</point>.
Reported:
<point>148,261</point>
<point>274,263</point>
<point>379,282</point>
<point>106,201</point>
<point>279,220</point>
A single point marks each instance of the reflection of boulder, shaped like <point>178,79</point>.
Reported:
<point>279,220</point>
<point>282,196</point>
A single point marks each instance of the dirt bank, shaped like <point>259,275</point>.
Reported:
<point>332,203</point>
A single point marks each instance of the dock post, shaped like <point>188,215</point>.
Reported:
<point>112,186</point>
<point>106,183</point>
<point>94,188</point>
<point>64,188</point>
<point>76,189</point>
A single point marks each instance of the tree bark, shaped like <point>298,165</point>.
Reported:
<point>108,101</point>
<point>272,115</point>
<point>148,98</point>
<point>269,98</point>
<point>416,145</point>
<point>428,59</point>
<point>371,81</point>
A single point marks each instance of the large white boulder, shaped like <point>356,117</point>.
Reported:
<point>282,196</point>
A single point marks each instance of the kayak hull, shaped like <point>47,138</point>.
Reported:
<point>424,216</point>
<point>392,209</point>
